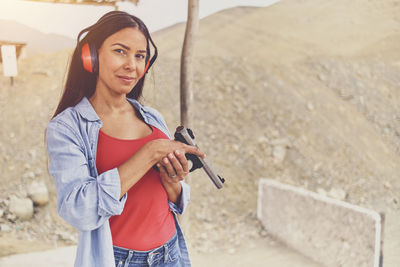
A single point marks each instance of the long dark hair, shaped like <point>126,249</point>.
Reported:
<point>81,83</point>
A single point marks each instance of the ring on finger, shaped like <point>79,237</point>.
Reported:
<point>172,176</point>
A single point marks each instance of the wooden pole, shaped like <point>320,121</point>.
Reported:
<point>186,81</point>
<point>186,84</point>
<point>382,214</point>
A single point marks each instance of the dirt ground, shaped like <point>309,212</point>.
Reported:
<point>321,77</point>
<point>262,252</point>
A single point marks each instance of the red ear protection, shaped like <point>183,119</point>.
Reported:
<point>90,61</point>
<point>145,69</point>
<point>89,58</point>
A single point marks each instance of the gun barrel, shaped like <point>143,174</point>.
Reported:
<point>187,138</point>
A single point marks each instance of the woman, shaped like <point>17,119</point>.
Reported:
<point>102,145</point>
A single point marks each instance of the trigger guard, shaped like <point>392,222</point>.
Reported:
<point>193,167</point>
<point>196,163</point>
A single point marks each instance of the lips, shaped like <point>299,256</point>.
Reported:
<point>126,79</point>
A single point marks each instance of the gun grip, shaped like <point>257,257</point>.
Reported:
<point>195,161</point>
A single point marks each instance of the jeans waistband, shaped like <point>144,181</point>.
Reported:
<point>149,256</point>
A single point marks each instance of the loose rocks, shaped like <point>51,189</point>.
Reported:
<point>21,207</point>
<point>278,153</point>
<point>337,193</point>
<point>5,228</point>
<point>38,192</point>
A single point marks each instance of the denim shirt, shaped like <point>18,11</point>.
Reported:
<point>85,199</point>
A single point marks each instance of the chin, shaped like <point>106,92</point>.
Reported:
<point>126,89</point>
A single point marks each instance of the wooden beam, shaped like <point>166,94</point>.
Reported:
<point>73,2</point>
<point>83,2</point>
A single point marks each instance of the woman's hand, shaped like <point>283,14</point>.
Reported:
<point>163,147</point>
<point>154,152</point>
<point>173,169</point>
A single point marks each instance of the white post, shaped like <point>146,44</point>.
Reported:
<point>9,58</point>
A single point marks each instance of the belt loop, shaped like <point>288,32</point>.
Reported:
<point>150,258</point>
<point>128,259</point>
<point>166,253</point>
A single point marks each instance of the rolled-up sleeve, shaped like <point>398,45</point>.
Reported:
<point>184,200</point>
<point>83,201</point>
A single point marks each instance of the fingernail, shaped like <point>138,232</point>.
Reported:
<point>165,160</point>
<point>170,155</point>
<point>158,165</point>
<point>177,152</point>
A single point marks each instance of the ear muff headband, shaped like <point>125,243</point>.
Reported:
<point>153,58</point>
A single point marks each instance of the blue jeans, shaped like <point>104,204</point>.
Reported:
<point>167,255</point>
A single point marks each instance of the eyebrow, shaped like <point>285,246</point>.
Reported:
<point>128,48</point>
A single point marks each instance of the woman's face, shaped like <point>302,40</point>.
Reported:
<point>122,59</point>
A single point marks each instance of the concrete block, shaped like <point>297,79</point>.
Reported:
<point>331,232</point>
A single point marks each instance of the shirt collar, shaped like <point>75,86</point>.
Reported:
<point>86,110</point>
<point>142,109</point>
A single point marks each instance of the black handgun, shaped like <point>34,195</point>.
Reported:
<point>185,135</point>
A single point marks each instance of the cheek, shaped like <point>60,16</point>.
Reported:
<point>107,63</point>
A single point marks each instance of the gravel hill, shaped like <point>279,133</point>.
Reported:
<point>305,92</point>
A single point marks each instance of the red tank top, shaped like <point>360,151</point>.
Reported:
<point>146,221</point>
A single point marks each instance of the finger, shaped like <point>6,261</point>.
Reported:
<point>189,149</point>
<point>165,176</point>
<point>176,164</point>
<point>163,171</point>
<point>168,166</point>
<point>194,150</point>
<point>182,159</point>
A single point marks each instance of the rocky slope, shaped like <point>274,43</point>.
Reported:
<point>305,92</point>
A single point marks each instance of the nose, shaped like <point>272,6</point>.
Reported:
<point>130,63</point>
